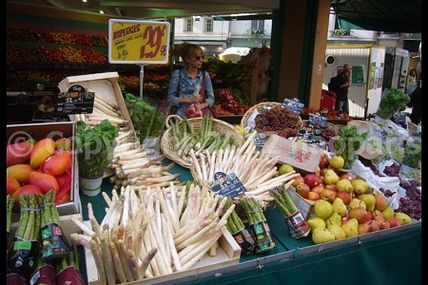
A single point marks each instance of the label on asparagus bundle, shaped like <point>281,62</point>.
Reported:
<point>245,241</point>
<point>22,258</point>
<point>260,140</point>
<point>69,275</point>
<point>75,101</point>
<point>54,244</point>
<point>227,185</point>
<point>262,235</point>
<point>297,225</point>
<point>44,275</point>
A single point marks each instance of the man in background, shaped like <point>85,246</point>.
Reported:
<point>339,85</point>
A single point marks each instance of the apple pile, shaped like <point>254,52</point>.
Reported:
<point>345,206</point>
<point>37,167</point>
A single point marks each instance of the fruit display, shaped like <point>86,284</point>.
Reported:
<point>280,121</point>
<point>37,167</point>
<point>226,103</point>
<point>346,206</point>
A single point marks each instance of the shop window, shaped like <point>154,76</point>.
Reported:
<point>208,25</point>
<point>188,25</point>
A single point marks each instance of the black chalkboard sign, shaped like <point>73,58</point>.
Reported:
<point>75,101</point>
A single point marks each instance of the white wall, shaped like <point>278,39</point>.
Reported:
<point>374,94</point>
<point>241,27</point>
<point>220,30</point>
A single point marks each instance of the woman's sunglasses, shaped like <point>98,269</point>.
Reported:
<point>199,57</point>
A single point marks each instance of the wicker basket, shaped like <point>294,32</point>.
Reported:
<point>167,144</point>
<point>258,107</point>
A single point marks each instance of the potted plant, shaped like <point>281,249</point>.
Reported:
<point>95,147</point>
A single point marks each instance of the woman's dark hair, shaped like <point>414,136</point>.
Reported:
<point>186,51</point>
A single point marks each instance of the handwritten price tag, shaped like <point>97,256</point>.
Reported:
<point>138,42</point>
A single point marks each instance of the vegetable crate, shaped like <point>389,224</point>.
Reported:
<point>107,90</point>
<point>228,254</point>
<point>54,130</point>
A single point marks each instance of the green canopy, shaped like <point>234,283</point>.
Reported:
<point>380,15</point>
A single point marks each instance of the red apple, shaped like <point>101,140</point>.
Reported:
<point>374,226</point>
<point>393,222</point>
<point>385,225</point>
<point>331,187</point>
<point>298,180</point>
<point>313,196</point>
<point>345,196</point>
<point>311,179</point>
<point>346,176</point>
<point>303,190</point>
<point>323,161</point>
<point>328,195</point>
<point>318,189</point>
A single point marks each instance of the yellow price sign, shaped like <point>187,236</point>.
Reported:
<point>138,42</point>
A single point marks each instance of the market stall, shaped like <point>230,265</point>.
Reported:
<point>114,191</point>
<point>276,195</point>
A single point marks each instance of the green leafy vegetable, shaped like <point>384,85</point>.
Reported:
<point>395,100</point>
<point>95,146</point>
<point>348,144</point>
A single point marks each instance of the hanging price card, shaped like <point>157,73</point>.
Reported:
<point>138,42</point>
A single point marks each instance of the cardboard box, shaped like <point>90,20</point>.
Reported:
<point>298,155</point>
<point>54,130</point>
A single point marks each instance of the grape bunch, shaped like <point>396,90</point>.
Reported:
<point>412,203</point>
<point>280,121</point>
<point>387,193</point>
<point>392,170</point>
<point>370,164</point>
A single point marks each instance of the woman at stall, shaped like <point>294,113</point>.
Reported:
<point>190,91</point>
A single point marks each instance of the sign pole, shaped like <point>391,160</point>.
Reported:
<point>141,80</point>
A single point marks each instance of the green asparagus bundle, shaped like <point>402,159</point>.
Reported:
<point>258,225</point>
<point>284,202</point>
<point>9,207</point>
<point>68,269</point>
<point>205,138</point>
<point>22,257</point>
<point>296,223</point>
<point>237,228</point>
<point>253,210</point>
<point>53,242</point>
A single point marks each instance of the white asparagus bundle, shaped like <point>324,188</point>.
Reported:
<point>257,173</point>
<point>153,232</point>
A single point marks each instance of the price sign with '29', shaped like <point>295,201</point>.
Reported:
<point>138,42</point>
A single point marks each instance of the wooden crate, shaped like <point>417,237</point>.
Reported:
<point>105,86</point>
<point>228,254</point>
<point>54,130</point>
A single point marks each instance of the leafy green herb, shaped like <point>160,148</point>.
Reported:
<point>95,146</point>
<point>349,143</point>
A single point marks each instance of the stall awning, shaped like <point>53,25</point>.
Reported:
<point>381,15</point>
